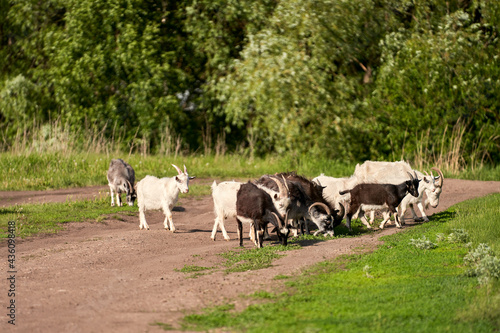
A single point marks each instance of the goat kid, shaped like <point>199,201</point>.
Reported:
<point>121,179</point>
<point>154,193</point>
<point>394,173</point>
<point>379,197</point>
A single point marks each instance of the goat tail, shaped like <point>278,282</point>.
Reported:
<point>344,192</point>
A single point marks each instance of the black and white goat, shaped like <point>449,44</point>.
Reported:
<point>154,193</point>
<point>379,197</point>
<point>395,173</point>
<point>256,207</point>
<point>121,179</point>
<point>224,196</point>
<point>319,212</point>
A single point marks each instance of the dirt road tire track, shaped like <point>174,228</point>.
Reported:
<point>113,277</point>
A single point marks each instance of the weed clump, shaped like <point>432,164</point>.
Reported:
<point>422,243</point>
<point>484,264</point>
<point>458,236</point>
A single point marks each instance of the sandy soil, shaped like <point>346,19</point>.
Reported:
<point>112,277</point>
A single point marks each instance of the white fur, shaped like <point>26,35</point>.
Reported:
<point>154,193</point>
<point>332,187</point>
<point>396,173</point>
<point>224,196</point>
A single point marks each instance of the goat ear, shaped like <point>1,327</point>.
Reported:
<point>176,178</point>
<point>191,177</point>
<point>276,196</point>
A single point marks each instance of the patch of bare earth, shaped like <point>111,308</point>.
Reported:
<point>112,277</point>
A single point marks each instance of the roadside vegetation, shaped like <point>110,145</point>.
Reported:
<point>34,219</point>
<point>345,80</point>
<point>52,170</point>
<point>405,285</point>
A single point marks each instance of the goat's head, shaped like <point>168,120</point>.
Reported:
<point>412,184</point>
<point>320,214</point>
<point>182,179</point>
<point>282,228</point>
<point>433,187</point>
<point>131,194</point>
<point>282,199</point>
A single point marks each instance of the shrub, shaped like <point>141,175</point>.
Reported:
<point>423,243</point>
<point>485,265</point>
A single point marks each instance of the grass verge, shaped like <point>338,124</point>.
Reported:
<point>33,219</point>
<point>398,288</point>
<point>42,171</point>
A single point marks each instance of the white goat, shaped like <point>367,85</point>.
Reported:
<point>154,193</point>
<point>121,179</point>
<point>395,173</point>
<point>332,186</point>
<point>224,196</point>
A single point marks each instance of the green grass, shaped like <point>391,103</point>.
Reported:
<point>397,288</point>
<point>32,219</point>
<point>57,170</point>
<point>241,260</point>
<point>42,171</point>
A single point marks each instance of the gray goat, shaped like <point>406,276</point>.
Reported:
<point>121,179</point>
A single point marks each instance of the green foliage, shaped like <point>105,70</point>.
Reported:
<point>441,81</point>
<point>485,265</point>
<point>345,80</point>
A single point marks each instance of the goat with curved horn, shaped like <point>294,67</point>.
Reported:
<point>320,204</point>
<point>439,180</point>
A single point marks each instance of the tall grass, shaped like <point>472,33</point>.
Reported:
<point>55,155</point>
<point>448,155</point>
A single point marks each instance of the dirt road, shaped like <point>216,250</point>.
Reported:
<point>112,277</point>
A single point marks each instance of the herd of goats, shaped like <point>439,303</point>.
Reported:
<point>287,201</point>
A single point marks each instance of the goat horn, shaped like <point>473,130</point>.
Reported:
<point>327,209</point>
<point>411,176</point>
<point>286,185</point>
<point>278,220</point>
<point>341,212</point>
<point>130,187</point>
<point>177,168</point>
<point>282,190</point>
<point>185,170</point>
<point>441,177</point>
